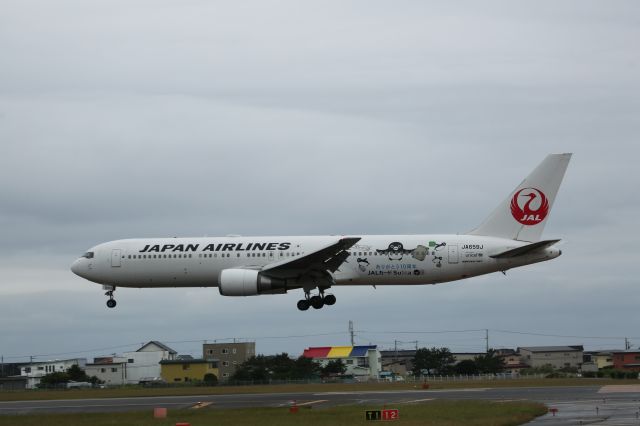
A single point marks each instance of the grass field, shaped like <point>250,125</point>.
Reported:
<point>441,413</point>
<point>127,392</point>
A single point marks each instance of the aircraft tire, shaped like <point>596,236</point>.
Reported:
<point>303,304</point>
<point>316,302</point>
<point>111,303</point>
<point>329,299</point>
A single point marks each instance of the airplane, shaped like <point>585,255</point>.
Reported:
<point>249,266</point>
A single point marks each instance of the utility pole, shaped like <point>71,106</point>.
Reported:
<point>627,345</point>
<point>395,346</point>
<point>416,342</point>
<point>351,332</point>
<point>486,337</point>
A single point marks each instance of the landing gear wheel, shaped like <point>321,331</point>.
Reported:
<point>316,302</point>
<point>303,304</point>
<point>111,303</point>
<point>329,299</point>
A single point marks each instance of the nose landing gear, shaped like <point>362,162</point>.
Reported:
<point>111,303</point>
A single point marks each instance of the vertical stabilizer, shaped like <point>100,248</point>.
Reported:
<point>524,213</point>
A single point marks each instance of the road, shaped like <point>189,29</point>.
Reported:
<point>606,405</point>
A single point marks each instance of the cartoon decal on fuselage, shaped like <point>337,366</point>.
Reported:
<point>436,247</point>
<point>396,251</point>
<point>420,253</point>
<point>363,264</point>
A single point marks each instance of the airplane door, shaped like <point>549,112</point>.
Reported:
<point>115,257</point>
<point>453,254</point>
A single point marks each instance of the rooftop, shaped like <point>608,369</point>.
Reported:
<point>188,361</point>
<point>576,348</point>
<point>158,344</point>
<point>337,351</point>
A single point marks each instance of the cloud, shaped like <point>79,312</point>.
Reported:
<point>276,118</point>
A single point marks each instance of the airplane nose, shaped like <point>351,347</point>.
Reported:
<point>76,267</point>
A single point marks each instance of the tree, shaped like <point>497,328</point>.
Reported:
<point>77,374</point>
<point>490,363</point>
<point>433,361</point>
<point>55,379</point>
<point>334,367</point>
<point>305,368</point>
<point>73,374</point>
<point>210,379</point>
<point>466,367</point>
<point>254,369</point>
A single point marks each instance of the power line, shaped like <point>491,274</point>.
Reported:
<point>563,336</point>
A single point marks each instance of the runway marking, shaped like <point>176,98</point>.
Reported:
<point>86,406</point>
<point>397,392</point>
<point>417,400</point>
<point>201,405</point>
<point>320,401</point>
<point>619,389</point>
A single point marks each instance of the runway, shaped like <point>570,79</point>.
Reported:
<point>607,405</point>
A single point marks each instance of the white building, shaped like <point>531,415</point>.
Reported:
<point>110,370</point>
<point>35,370</point>
<point>144,364</point>
<point>362,362</point>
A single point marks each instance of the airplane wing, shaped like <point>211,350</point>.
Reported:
<point>525,249</point>
<point>328,258</point>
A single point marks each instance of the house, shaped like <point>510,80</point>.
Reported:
<point>595,360</point>
<point>109,370</point>
<point>230,356</point>
<point>556,356</point>
<point>361,362</point>
<point>187,370</point>
<point>144,364</point>
<point>399,361</point>
<point>627,360</point>
<point>512,361</point>
<point>34,371</point>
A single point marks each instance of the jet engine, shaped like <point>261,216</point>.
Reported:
<point>248,282</point>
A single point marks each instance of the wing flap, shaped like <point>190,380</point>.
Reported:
<point>328,258</point>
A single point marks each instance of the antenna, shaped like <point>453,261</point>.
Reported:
<point>351,332</point>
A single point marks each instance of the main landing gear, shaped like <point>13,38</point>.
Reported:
<point>111,303</point>
<point>317,301</point>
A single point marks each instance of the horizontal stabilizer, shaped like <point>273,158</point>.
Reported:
<point>521,251</point>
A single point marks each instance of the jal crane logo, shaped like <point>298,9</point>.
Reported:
<point>529,206</point>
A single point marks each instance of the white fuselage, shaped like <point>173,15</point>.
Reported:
<point>374,260</point>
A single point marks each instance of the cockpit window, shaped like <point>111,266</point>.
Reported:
<point>88,255</point>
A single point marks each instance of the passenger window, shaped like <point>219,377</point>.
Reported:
<point>189,255</point>
<point>238,254</point>
<point>129,256</point>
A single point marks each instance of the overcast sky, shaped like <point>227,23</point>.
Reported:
<point>189,118</point>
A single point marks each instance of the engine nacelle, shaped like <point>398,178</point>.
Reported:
<point>248,282</point>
